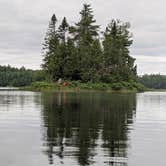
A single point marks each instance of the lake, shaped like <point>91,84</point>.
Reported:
<point>86,128</point>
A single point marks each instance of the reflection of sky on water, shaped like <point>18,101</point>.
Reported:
<point>82,128</point>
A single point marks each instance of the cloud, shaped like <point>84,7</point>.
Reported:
<point>24,23</point>
<point>151,64</point>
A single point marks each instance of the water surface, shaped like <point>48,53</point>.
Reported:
<point>94,128</point>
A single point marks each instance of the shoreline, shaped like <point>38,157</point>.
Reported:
<point>124,87</point>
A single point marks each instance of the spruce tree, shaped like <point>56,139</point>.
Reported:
<point>78,53</point>
<point>63,54</point>
<point>71,69</point>
<point>96,61</point>
<point>63,30</point>
<point>51,50</point>
<point>85,33</point>
<point>119,65</point>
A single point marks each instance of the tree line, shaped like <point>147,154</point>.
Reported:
<point>10,76</point>
<point>82,52</point>
<point>155,81</point>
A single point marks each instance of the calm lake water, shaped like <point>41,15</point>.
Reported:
<point>74,129</point>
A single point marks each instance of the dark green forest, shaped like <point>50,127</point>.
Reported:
<point>84,52</point>
<point>10,76</point>
<point>154,81</point>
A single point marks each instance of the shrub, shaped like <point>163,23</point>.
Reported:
<point>117,86</point>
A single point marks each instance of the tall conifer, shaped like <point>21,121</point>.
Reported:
<point>117,41</point>
<point>85,33</point>
<point>50,48</point>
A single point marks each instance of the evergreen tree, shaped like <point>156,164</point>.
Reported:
<point>71,68</point>
<point>96,61</point>
<point>76,53</point>
<point>63,57</point>
<point>117,40</point>
<point>85,33</point>
<point>63,29</point>
<point>51,50</point>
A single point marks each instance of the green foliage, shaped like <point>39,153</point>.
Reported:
<point>131,85</point>
<point>38,75</point>
<point>77,85</point>
<point>39,86</point>
<point>85,35</point>
<point>81,55</point>
<point>117,40</point>
<point>139,86</point>
<point>117,86</point>
<point>79,52</point>
<point>154,81</point>
<point>10,76</point>
<point>95,86</point>
<point>51,51</point>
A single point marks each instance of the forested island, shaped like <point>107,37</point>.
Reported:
<point>82,52</point>
<point>83,56</point>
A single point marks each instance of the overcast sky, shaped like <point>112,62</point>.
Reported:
<point>23,24</point>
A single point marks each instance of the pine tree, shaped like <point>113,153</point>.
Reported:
<point>63,30</point>
<point>85,33</point>
<point>51,50</point>
<point>78,53</point>
<point>85,30</point>
<point>117,40</point>
<point>71,69</point>
<point>96,61</point>
<point>63,53</point>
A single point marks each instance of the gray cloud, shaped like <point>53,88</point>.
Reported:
<point>23,25</point>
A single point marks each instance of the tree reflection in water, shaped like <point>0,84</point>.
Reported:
<point>87,125</point>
